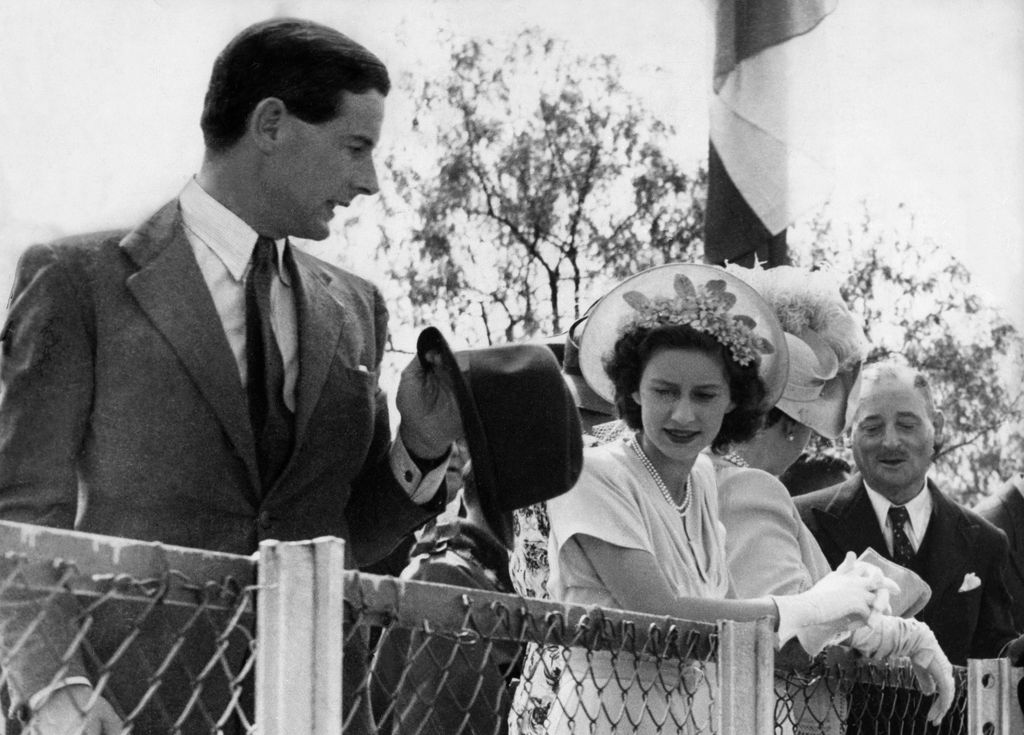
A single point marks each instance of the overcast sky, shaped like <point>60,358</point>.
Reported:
<point>101,99</point>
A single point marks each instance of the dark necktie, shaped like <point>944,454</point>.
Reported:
<point>270,417</point>
<point>902,550</point>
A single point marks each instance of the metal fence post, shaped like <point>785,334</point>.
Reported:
<point>746,675</point>
<point>993,704</point>
<point>299,609</point>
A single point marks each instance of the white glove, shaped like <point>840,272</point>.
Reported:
<point>841,601</point>
<point>65,712</point>
<point>888,636</point>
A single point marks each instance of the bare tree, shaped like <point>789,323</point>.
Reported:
<point>543,173</point>
<point>919,304</point>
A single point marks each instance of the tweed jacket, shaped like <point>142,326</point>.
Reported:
<point>122,411</point>
<point>968,621</point>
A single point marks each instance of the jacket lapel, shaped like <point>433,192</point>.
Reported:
<point>322,320</point>
<point>170,289</point>
<point>850,520</point>
<point>950,538</point>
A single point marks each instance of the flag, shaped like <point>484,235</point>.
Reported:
<point>770,158</point>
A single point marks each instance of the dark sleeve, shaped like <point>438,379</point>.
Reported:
<point>46,376</point>
<point>379,513</point>
<point>995,618</point>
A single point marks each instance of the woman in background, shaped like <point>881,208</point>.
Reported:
<point>769,549</point>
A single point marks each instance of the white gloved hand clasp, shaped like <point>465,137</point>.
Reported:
<point>840,601</point>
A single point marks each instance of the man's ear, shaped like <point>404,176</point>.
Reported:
<point>939,422</point>
<point>266,123</point>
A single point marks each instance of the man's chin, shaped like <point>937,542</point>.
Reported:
<point>891,483</point>
<point>317,232</point>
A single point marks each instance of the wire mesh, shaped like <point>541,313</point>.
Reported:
<point>168,652</point>
<point>467,664</point>
<point>168,638</point>
<point>840,692</point>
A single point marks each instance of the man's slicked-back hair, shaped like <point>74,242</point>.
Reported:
<point>304,64</point>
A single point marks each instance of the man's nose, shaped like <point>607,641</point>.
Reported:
<point>890,437</point>
<point>366,182</point>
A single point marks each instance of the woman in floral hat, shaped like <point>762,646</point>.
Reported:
<point>769,549</point>
<point>692,358</point>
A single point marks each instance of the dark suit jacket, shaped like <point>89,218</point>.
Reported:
<point>972,624</point>
<point>1005,509</point>
<point>122,411</point>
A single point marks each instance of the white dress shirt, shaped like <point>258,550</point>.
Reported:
<point>919,508</point>
<point>223,246</point>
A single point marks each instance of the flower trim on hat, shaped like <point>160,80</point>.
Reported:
<point>705,309</point>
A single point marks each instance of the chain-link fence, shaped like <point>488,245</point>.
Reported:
<point>186,641</point>
<point>479,659</point>
<point>164,635</point>
<point>841,692</point>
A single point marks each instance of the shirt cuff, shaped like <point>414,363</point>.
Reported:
<point>39,698</point>
<point>419,486</point>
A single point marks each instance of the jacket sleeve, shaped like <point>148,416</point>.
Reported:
<point>379,512</point>
<point>770,551</point>
<point>995,619</point>
<point>46,377</point>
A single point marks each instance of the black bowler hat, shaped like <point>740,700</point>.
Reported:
<point>520,422</point>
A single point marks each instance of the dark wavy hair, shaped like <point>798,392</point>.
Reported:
<point>304,64</point>
<point>632,351</point>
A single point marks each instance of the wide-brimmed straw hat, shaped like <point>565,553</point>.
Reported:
<point>520,423</point>
<point>586,398</point>
<point>701,296</point>
<point>816,391</point>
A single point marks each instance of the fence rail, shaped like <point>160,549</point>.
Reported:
<point>190,641</point>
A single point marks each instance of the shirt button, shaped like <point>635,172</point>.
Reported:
<point>264,519</point>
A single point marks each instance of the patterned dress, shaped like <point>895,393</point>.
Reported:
<point>528,564</point>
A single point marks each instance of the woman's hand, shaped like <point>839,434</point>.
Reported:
<point>841,600</point>
<point>888,637</point>
<point>67,711</point>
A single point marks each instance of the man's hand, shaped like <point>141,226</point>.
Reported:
<point>430,413</point>
<point>64,712</point>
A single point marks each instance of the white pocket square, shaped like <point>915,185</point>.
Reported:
<point>970,582</point>
<point>362,368</point>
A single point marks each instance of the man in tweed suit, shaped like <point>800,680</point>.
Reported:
<point>133,398</point>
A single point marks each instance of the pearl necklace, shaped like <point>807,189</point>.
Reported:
<point>736,459</point>
<point>680,507</point>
